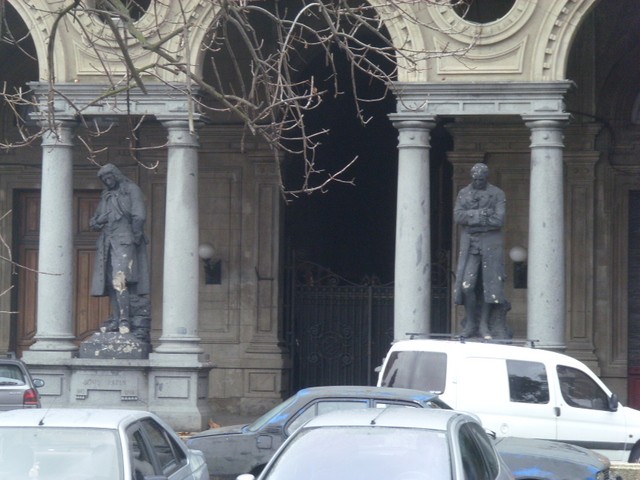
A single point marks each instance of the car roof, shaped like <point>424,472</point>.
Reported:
<point>12,361</point>
<point>433,419</point>
<point>70,417</point>
<point>367,391</point>
<point>483,348</point>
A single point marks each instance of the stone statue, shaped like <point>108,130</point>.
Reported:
<point>121,268</point>
<point>480,210</point>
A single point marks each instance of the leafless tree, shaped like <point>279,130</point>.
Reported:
<point>256,56</point>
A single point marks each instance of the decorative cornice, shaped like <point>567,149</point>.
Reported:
<point>73,100</point>
<point>532,100</point>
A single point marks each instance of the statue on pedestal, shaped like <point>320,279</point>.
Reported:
<point>121,268</point>
<point>480,210</point>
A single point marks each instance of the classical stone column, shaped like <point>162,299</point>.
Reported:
<point>412,291</point>
<point>546,264</point>
<point>55,258</point>
<point>181,262</point>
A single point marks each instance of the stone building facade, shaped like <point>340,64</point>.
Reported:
<point>547,96</point>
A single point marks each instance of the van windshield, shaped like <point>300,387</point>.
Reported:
<point>417,370</point>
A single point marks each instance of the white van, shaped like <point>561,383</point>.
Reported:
<point>518,391</point>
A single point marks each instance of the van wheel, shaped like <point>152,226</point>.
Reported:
<point>634,456</point>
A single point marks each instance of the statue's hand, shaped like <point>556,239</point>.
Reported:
<point>137,237</point>
<point>94,225</point>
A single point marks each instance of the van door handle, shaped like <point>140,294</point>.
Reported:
<point>556,410</point>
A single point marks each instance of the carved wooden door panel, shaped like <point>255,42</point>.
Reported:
<point>89,311</point>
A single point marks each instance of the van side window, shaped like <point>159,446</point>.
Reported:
<point>527,382</point>
<point>580,391</point>
<point>419,370</point>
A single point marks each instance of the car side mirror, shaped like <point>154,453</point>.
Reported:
<point>38,383</point>
<point>613,402</point>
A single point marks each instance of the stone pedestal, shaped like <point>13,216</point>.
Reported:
<point>176,388</point>
<point>114,345</point>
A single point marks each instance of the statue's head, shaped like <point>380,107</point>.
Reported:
<point>110,175</point>
<point>479,175</point>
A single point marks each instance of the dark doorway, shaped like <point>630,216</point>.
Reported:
<point>633,342</point>
<point>339,320</point>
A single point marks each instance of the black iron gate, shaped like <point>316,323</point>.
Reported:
<point>338,332</point>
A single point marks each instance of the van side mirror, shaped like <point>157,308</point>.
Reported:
<point>613,402</point>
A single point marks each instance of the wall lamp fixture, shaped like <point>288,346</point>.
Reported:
<point>212,268</point>
<point>518,256</point>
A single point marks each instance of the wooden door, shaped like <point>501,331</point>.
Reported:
<point>88,312</point>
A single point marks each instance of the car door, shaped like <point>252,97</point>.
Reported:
<point>584,416</point>
<point>155,452</point>
<point>12,387</point>
<point>510,396</point>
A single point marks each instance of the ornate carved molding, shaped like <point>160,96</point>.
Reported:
<point>530,100</point>
<point>72,100</point>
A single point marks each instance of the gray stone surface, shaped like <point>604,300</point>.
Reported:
<point>114,345</point>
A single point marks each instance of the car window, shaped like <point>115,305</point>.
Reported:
<point>141,459</point>
<point>485,446</point>
<point>11,375</point>
<point>527,382</point>
<point>419,370</point>
<point>274,412</point>
<point>580,391</point>
<point>473,458</point>
<point>323,406</point>
<point>169,455</point>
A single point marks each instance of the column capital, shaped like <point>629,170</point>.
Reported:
<point>413,132</point>
<point>60,134</point>
<point>412,121</point>
<point>546,132</point>
<point>544,121</point>
<point>182,133</point>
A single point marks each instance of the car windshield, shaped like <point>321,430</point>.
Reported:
<point>264,419</point>
<point>59,454</point>
<point>345,453</point>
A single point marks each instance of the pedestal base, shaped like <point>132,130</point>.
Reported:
<point>177,391</point>
<point>114,345</point>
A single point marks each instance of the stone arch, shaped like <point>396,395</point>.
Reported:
<point>39,28</point>
<point>557,35</point>
<point>530,43</point>
<point>90,46</point>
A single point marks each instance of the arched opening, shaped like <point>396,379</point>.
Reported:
<point>483,11</point>
<point>17,50</point>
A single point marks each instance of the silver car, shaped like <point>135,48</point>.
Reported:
<point>94,444</point>
<point>17,388</point>
<point>390,443</point>
<point>232,450</point>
